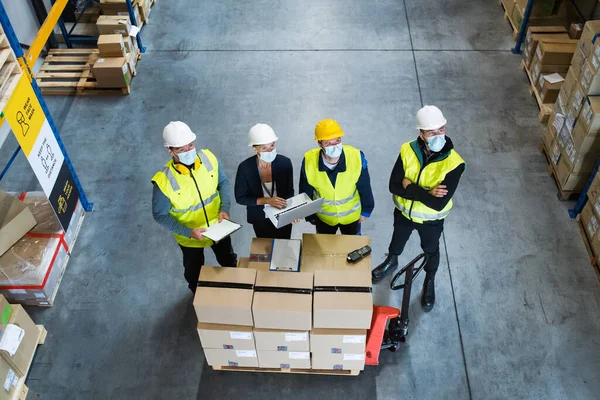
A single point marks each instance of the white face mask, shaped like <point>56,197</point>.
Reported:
<point>333,151</point>
<point>436,143</point>
<point>268,156</point>
<point>188,157</point>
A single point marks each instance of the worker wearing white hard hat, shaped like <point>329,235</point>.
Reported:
<point>422,183</point>
<point>190,194</point>
<point>265,178</point>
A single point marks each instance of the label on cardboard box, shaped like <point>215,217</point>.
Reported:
<point>597,206</point>
<point>125,68</point>
<point>299,355</point>
<point>44,303</point>
<point>586,113</point>
<point>539,52</point>
<point>577,99</point>
<point>245,353</point>
<point>354,357</point>
<point>353,339</point>
<point>39,295</point>
<point>17,291</point>
<point>596,60</point>
<point>558,122</point>
<point>11,338</point>
<point>555,154</point>
<point>6,313</point>
<point>100,60</point>
<point>241,335</point>
<point>592,225</point>
<point>8,382</point>
<point>296,337</point>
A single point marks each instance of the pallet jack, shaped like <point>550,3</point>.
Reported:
<point>396,321</point>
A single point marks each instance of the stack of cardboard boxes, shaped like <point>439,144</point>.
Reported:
<point>118,52</point>
<point>590,216</point>
<point>573,136</point>
<point>141,9</point>
<point>19,337</point>
<point>316,318</point>
<point>544,12</point>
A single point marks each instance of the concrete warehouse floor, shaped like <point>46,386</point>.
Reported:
<point>518,313</point>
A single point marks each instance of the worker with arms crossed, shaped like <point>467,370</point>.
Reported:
<point>267,178</point>
<point>422,183</point>
<point>338,173</point>
<point>190,194</point>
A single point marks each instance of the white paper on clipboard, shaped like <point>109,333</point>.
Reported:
<point>298,207</point>
<point>221,230</point>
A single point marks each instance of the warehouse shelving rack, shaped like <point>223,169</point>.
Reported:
<point>26,62</point>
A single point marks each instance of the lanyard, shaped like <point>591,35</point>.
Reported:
<point>269,192</point>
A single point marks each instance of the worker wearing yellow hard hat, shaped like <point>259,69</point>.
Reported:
<point>338,173</point>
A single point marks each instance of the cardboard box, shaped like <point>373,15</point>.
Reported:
<point>144,10</point>
<point>590,33</point>
<point>283,300</point>
<point>131,63</point>
<point>589,220</point>
<point>555,53</point>
<point>578,61</point>
<point>549,136</point>
<point>329,252</point>
<point>110,24</point>
<point>589,115</point>
<point>531,30</point>
<point>576,100</point>
<point>10,380</point>
<point>338,361</point>
<point>260,254</point>
<point>15,221</point>
<point>342,299</point>
<point>280,340</point>
<point>537,69</point>
<point>541,8</point>
<point>111,45</point>
<point>568,180</point>
<point>283,359</point>
<point>584,142</point>
<point>21,359</point>
<point>112,72</point>
<point>231,358</point>
<point>594,192</point>
<point>224,296</point>
<point>594,58</point>
<point>530,47</point>
<point>338,341</point>
<point>589,80</point>
<point>575,30</point>
<point>232,337</point>
<point>549,91</point>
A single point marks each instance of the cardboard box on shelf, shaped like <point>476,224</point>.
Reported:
<point>583,141</point>
<point>568,180</point>
<point>130,58</point>
<point>338,341</point>
<point>111,45</point>
<point>537,69</point>
<point>283,359</point>
<point>231,358</point>
<point>589,80</point>
<point>110,24</point>
<point>224,296</point>
<point>594,58</point>
<point>342,299</point>
<point>549,136</point>
<point>11,381</point>
<point>575,30</point>
<point>548,87</point>
<point>218,336</point>
<point>111,72</point>
<point>283,300</point>
<point>281,340</point>
<point>589,220</point>
<point>534,38</point>
<point>576,100</point>
<point>576,161</point>
<point>260,254</point>
<point>594,192</point>
<point>144,10</point>
<point>15,221</point>
<point>588,39</point>
<point>26,338</point>
<point>329,252</point>
<point>555,53</point>
<point>338,361</point>
<point>590,114</point>
<point>531,30</point>
<point>541,8</point>
<point>578,61</point>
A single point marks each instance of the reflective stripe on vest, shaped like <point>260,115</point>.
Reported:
<point>341,204</point>
<point>427,217</point>
<point>204,159</point>
<point>198,206</point>
<point>167,171</point>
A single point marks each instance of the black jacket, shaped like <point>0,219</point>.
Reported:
<point>417,193</point>
<point>248,187</point>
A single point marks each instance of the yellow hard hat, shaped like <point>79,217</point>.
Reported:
<point>328,129</point>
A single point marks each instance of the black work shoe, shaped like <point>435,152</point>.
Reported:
<point>390,263</point>
<point>428,296</point>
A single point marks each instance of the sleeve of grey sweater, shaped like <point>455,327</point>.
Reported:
<point>160,211</point>
<point>224,188</point>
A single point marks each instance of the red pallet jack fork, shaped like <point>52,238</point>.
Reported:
<point>378,338</point>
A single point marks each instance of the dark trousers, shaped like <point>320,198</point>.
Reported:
<point>429,232</point>
<point>350,229</point>
<point>266,229</point>
<point>193,260</point>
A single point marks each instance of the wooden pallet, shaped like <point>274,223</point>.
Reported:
<point>68,72</point>
<point>545,109</point>
<point>515,30</point>
<point>289,371</point>
<point>10,71</point>
<point>22,389</point>
<point>588,247</point>
<point>562,195</point>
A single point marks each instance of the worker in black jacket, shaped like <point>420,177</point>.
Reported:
<point>264,179</point>
<point>423,182</point>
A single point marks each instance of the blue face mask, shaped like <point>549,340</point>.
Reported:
<point>268,156</point>
<point>436,143</point>
<point>187,158</point>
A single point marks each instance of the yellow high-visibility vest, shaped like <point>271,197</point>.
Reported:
<point>341,203</point>
<point>429,177</point>
<point>184,187</point>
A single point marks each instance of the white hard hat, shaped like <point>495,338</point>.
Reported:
<point>178,134</point>
<point>430,118</point>
<point>261,134</point>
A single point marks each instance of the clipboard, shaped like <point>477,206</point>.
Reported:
<point>217,232</point>
<point>298,207</point>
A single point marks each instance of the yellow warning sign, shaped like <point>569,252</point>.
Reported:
<point>24,114</point>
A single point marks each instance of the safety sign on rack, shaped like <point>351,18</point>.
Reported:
<point>33,132</point>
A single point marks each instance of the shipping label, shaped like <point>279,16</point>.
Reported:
<point>354,339</point>
<point>354,357</point>
<point>296,337</point>
<point>245,353</point>
<point>299,355</point>
<point>241,335</point>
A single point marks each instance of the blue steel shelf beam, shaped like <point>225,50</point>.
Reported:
<point>14,43</point>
